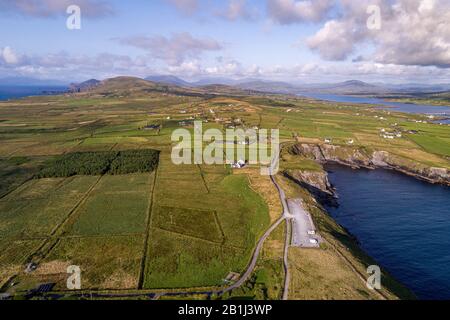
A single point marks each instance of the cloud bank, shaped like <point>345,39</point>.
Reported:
<point>52,8</point>
<point>294,11</point>
<point>413,32</point>
<point>175,49</point>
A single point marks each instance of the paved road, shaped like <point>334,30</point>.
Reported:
<point>254,260</point>
<point>287,274</point>
<point>286,216</point>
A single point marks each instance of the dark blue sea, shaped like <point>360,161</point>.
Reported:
<point>401,222</point>
<point>15,92</point>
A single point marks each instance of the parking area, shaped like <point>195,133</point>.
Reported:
<point>303,230</point>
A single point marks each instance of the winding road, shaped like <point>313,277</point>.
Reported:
<point>285,216</point>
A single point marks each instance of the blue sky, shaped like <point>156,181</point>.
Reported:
<point>291,40</point>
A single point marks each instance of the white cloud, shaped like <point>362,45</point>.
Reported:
<point>9,56</point>
<point>225,67</point>
<point>174,50</point>
<point>237,9</point>
<point>49,8</point>
<point>188,68</point>
<point>413,32</point>
<point>63,65</point>
<point>295,11</point>
<point>185,6</point>
<point>79,67</point>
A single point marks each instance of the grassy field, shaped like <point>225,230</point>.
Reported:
<point>180,226</point>
<point>200,230</point>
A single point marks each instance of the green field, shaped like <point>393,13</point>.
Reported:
<point>78,185</point>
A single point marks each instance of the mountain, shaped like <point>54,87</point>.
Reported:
<point>215,81</point>
<point>126,86</point>
<point>24,81</point>
<point>121,85</point>
<point>347,87</point>
<point>268,86</point>
<point>84,86</point>
<point>169,79</point>
<point>351,87</point>
<point>420,87</point>
<point>213,86</point>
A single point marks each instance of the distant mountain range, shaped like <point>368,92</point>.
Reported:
<point>351,87</point>
<point>168,79</point>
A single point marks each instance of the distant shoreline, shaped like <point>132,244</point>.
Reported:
<point>11,92</point>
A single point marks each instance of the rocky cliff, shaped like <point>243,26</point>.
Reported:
<point>316,182</point>
<point>359,157</point>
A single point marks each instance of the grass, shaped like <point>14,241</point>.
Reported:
<point>267,281</point>
<point>199,234</point>
<point>203,220</point>
<point>13,255</point>
<point>106,263</point>
<point>176,261</point>
<point>36,210</point>
<point>437,145</point>
<point>113,208</point>
<point>15,171</point>
<point>190,222</point>
<point>321,275</point>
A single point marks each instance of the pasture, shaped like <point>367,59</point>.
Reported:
<point>161,225</point>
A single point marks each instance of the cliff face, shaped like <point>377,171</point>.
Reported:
<point>384,159</point>
<point>357,158</point>
<point>316,182</point>
<point>328,153</point>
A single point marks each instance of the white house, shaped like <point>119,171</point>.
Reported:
<point>238,165</point>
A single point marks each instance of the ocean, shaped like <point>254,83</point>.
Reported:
<point>15,92</point>
<point>384,104</point>
<point>402,222</point>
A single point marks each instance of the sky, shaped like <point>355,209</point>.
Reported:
<point>300,41</point>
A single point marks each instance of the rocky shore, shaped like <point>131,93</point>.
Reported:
<point>361,158</point>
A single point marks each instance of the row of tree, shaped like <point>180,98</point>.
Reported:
<point>99,163</point>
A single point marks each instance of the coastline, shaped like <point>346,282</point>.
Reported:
<point>360,158</point>
<point>346,246</point>
<point>325,197</point>
<point>11,93</point>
